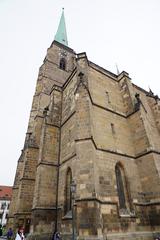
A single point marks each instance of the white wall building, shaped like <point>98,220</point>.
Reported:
<point>5,198</point>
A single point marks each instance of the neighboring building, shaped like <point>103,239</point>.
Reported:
<point>97,128</point>
<point>5,199</point>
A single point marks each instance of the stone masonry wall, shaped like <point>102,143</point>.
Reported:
<point>88,120</point>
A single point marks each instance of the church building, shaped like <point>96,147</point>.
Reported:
<point>90,166</point>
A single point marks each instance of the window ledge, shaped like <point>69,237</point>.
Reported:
<point>126,213</point>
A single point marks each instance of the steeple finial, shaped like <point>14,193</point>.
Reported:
<point>61,35</point>
<point>117,69</point>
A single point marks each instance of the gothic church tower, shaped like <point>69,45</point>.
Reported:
<point>95,128</point>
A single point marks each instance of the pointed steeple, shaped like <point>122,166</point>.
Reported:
<point>61,35</point>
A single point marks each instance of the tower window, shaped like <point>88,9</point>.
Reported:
<point>62,64</point>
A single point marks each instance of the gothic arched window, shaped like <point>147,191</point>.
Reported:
<point>62,64</point>
<point>121,186</point>
<point>67,206</point>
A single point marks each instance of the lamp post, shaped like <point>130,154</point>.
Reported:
<point>3,206</point>
<point>73,191</point>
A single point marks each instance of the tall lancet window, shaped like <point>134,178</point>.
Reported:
<point>67,206</point>
<point>121,186</point>
<point>62,64</point>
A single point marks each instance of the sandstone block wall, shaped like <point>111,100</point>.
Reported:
<point>88,120</point>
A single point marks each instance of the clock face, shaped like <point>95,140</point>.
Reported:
<point>63,53</point>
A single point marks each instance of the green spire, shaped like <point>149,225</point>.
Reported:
<point>61,35</point>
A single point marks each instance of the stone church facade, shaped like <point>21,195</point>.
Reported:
<point>98,129</point>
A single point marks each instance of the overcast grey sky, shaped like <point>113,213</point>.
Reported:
<point>126,32</point>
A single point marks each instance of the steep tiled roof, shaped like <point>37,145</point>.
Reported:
<point>5,192</point>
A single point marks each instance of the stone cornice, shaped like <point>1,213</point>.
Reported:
<point>53,80</point>
<point>52,124</point>
<point>69,78</point>
<point>140,89</point>
<point>56,88</point>
<point>27,179</point>
<point>38,94</point>
<point>113,202</point>
<point>22,213</point>
<point>115,152</point>
<point>47,164</point>
<point>146,153</point>
<point>102,149</point>
<point>67,159</point>
<point>66,120</point>
<point>147,203</point>
<point>103,71</point>
<point>31,146</point>
<point>62,46</point>
<point>43,208</point>
<point>95,199</point>
<point>123,75</point>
